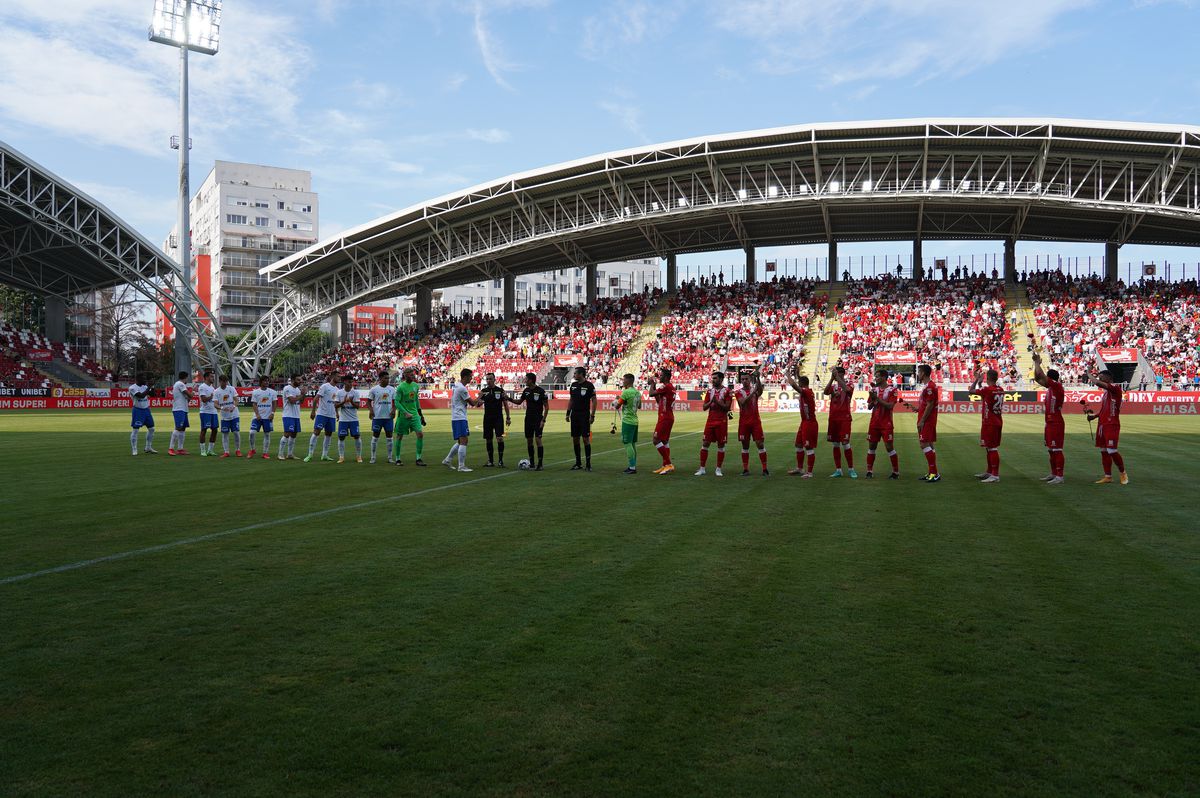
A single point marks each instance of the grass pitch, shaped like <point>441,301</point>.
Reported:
<point>355,630</point>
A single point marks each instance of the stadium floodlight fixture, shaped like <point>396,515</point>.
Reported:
<point>835,186</point>
<point>190,25</point>
<point>935,184</point>
<point>772,191</point>
<point>683,203</point>
<point>194,24</point>
<point>741,193</point>
<point>866,186</point>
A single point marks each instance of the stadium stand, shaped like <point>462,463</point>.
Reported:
<point>431,353</point>
<point>708,321</point>
<point>1077,315</point>
<point>950,325</point>
<point>601,332</point>
<point>22,343</point>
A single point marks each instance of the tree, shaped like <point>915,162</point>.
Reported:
<point>124,326</point>
<point>22,309</point>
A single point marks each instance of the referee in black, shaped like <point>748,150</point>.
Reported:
<point>581,414</point>
<point>495,413</point>
<point>537,408</point>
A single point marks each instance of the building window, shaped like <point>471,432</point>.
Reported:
<point>238,201</point>
<point>261,204</point>
<point>281,224</point>
<point>261,221</point>
<point>235,218</point>
<point>280,205</point>
<point>302,208</point>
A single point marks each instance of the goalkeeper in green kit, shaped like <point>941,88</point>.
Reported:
<point>409,417</point>
<point>630,401</point>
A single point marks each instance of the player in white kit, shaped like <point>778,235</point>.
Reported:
<point>139,393</point>
<point>208,415</point>
<point>460,400</point>
<point>263,400</point>
<point>292,397</point>
<point>226,400</point>
<point>346,401</point>
<point>382,398</point>
<point>324,417</point>
<point>181,398</point>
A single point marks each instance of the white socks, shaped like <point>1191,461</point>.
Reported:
<point>225,442</point>
<point>374,446</point>
<point>133,441</point>
<point>283,445</point>
<point>462,456</point>
<point>253,434</point>
<point>325,447</point>
<point>341,447</point>
<point>149,436</point>
<point>266,442</point>
<point>312,444</point>
<point>453,452</point>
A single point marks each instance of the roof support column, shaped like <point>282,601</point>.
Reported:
<point>1110,262</point>
<point>341,327</point>
<point>510,295</point>
<point>672,274</point>
<point>751,266</point>
<point>918,262</point>
<point>590,287</point>
<point>833,262</point>
<point>56,319</point>
<point>424,308</point>
<point>1010,260</point>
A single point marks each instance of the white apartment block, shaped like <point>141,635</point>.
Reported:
<point>565,286</point>
<point>244,217</point>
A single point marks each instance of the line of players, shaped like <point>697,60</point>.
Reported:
<point>396,412</point>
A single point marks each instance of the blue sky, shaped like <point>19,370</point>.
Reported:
<point>392,102</point>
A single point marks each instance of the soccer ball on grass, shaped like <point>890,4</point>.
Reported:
<point>524,465</point>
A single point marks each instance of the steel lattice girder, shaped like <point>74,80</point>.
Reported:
<point>56,240</point>
<point>963,179</point>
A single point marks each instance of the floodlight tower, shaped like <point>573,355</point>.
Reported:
<point>189,25</point>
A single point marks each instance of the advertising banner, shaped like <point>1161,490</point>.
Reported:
<point>1118,354</point>
<point>744,358</point>
<point>568,361</point>
<point>897,358</point>
<point>40,354</point>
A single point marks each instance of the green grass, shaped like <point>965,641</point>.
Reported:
<point>564,633</point>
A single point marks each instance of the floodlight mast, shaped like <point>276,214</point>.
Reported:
<point>172,25</point>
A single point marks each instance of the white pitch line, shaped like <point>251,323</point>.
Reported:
<point>75,566</point>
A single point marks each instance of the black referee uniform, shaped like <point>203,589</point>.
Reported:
<point>494,399</point>
<point>579,412</point>
<point>535,400</point>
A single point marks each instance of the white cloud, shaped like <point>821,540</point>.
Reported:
<point>628,22</point>
<point>628,115</point>
<point>491,50</point>
<point>138,208</point>
<point>454,82</point>
<point>489,135</point>
<point>84,69</point>
<point>853,40</point>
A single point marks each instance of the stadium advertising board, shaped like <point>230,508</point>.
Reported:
<point>43,355</point>
<point>24,391</point>
<point>743,358</point>
<point>1118,354</point>
<point>897,358</point>
<point>568,361</point>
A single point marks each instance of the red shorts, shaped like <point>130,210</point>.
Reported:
<point>989,437</point>
<point>928,433</point>
<point>806,436</point>
<point>751,428</point>
<point>839,430</point>
<point>662,430</point>
<point>1056,430</point>
<point>1108,436</point>
<point>877,434</point>
<point>716,432</point>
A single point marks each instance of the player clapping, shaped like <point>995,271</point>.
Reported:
<point>716,428</point>
<point>992,424</point>
<point>346,400</point>
<point>1108,433</point>
<point>840,396</point>
<point>881,400</point>
<point>1056,428</point>
<point>749,420</point>
<point>927,417</point>
<point>262,399</point>
<point>806,434</point>
<point>292,396</point>
<point>226,400</point>
<point>664,398</point>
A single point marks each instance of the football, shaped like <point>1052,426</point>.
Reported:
<point>524,465</point>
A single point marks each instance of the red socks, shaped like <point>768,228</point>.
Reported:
<point>800,459</point>
<point>720,457</point>
<point>931,458</point>
<point>837,456</point>
<point>703,457</point>
<point>812,458</point>
<point>745,460</point>
<point>849,457</point>
<point>1118,461</point>
<point>762,458</point>
<point>870,461</point>
<point>1107,461</point>
<point>895,458</point>
<point>993,461</point>
<point>665,451</point>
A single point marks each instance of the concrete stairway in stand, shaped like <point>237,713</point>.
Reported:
<point>632,362</point>
<point>470,358</point>
<point>820,343</point>
<point>1017,298</point>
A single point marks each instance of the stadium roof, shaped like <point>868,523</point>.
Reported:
<point>1048,179</point>
<point>56,240</point>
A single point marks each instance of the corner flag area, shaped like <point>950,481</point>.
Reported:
<point>204,626</point>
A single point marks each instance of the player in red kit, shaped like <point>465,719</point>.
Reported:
<point>806,435</point>
<point>749,421</point>
<point>840,395</point>
<point>1056,428</point>
<point>664,397</point>
<point>716,429</point>
<point>927,415</point>
<point>882,399</point>
<point>992,396</point>
<point>1108,433</point>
